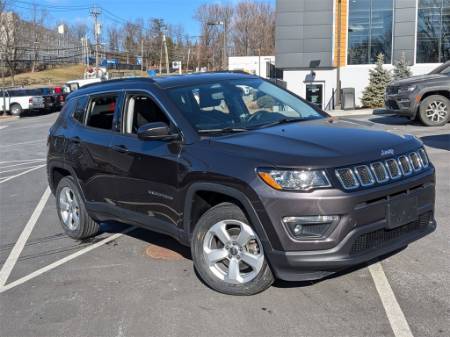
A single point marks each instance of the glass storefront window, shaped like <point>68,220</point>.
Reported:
<point>433,31</point>
<point>370,31</point>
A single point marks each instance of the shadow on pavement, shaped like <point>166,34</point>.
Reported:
<point>437,141</point>
<point>392,120</point>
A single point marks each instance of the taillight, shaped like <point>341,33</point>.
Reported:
<point>30,100</point>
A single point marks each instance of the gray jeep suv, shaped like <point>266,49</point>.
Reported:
<point>425,97</point>
<point>259,183</point>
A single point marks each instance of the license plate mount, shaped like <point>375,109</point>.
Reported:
<point>401,211</point>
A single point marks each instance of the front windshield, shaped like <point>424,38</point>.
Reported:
<point>241,104</point>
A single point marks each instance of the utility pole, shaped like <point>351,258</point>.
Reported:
<point>167,53</point>
<point>3,82</point>
<point>95,12</point>
<point>188,59</point>
<point>142,54</point>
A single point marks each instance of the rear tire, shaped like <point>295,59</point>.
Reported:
<point>434,110</point>
<point>15,109</point>
<point>72,213</point>
<point>228,254</point>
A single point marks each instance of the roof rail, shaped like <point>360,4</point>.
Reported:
<point>118,80</point>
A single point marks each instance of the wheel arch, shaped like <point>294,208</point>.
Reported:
<point>227,193</point>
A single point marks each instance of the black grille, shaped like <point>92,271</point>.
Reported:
<point>415,161</point>
<point>392,90</point>
<point>380,172</point>
<point>392,105</point>
<point>347,178</point>
<point>405,165</point>
<point>382,237</point>
<point>424,157</point>
<point>393,168</point>
<point>364,175</point>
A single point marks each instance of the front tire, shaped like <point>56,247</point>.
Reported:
<point>16,109</point>
<point>434,110</point>
<point>228,254</point>
<point>72,213</point>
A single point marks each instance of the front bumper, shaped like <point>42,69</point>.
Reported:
<point>312,265</point>
<point>361,234</point>
<point>401,105</point>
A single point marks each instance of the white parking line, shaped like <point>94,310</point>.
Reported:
<point>394,313</point>
<point>20,160</point>
<point>19,168</point>
<point>20,243</point>
<point>22,163</point>
<point>22,143</point>
<point>21,174</point>
<point>63,260</point>
<point>3,127</point>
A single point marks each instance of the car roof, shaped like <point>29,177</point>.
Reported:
<point>198,78</point>
<point>165,82</point>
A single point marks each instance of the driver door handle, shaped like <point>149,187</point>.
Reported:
<point>120,148</point>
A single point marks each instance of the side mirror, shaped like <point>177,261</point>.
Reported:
<point>156,131</point>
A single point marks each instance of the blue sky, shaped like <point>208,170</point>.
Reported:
<point>69,11</point>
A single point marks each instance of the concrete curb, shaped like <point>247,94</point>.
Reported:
<point>344,113</point>
<point>8,118</point>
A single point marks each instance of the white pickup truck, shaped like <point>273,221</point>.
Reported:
<point>18,101</point>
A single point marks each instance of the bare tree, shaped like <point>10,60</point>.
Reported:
<point>11,34</point>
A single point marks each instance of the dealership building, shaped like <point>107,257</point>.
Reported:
<point>345,36</point>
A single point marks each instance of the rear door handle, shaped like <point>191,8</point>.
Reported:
<point>120,148</point>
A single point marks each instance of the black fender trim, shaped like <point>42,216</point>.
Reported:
<point>231,192</point>
<point>58,164</point>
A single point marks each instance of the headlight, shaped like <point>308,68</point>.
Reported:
<point>411,88</point>
<point>294,180</point>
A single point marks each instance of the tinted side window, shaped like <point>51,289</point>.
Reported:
<point>68,107</point>
<point>101,112</point>
<point>142,110</point>
<point>80,110</point>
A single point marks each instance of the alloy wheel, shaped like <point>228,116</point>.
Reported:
<point>233,252</point>
<point>69,209</point>
<point>436,111</point>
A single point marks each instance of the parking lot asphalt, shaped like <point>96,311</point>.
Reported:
<point>116,285</point>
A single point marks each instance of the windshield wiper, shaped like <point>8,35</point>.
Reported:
<point>223,130</point>
<point>279,121</point>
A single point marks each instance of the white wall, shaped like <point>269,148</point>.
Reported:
<point>298,79</point>
<point>250,64</point>
<point>352,76</point>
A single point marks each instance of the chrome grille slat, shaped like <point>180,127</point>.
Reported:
<point>393,169</point>
<point>347,178</point>
<point>380,172</point>
<point>405,165</point>
<point>364,175</point>
<point>415,160</point>
<point>423,158</point>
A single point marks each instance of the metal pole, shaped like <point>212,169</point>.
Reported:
<point>225,61</point>
<point>3,83</point>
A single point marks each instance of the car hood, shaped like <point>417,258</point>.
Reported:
<point>418,79</point>
<point>319,143</point>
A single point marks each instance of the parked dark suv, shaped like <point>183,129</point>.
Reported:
<point>425,97</point>
<point>257,181</point>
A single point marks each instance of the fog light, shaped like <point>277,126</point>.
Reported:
<point>310,226</point>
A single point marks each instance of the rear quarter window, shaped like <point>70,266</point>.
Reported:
<point>80,109</point>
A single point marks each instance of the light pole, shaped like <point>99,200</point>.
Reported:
<point>224,24</point>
